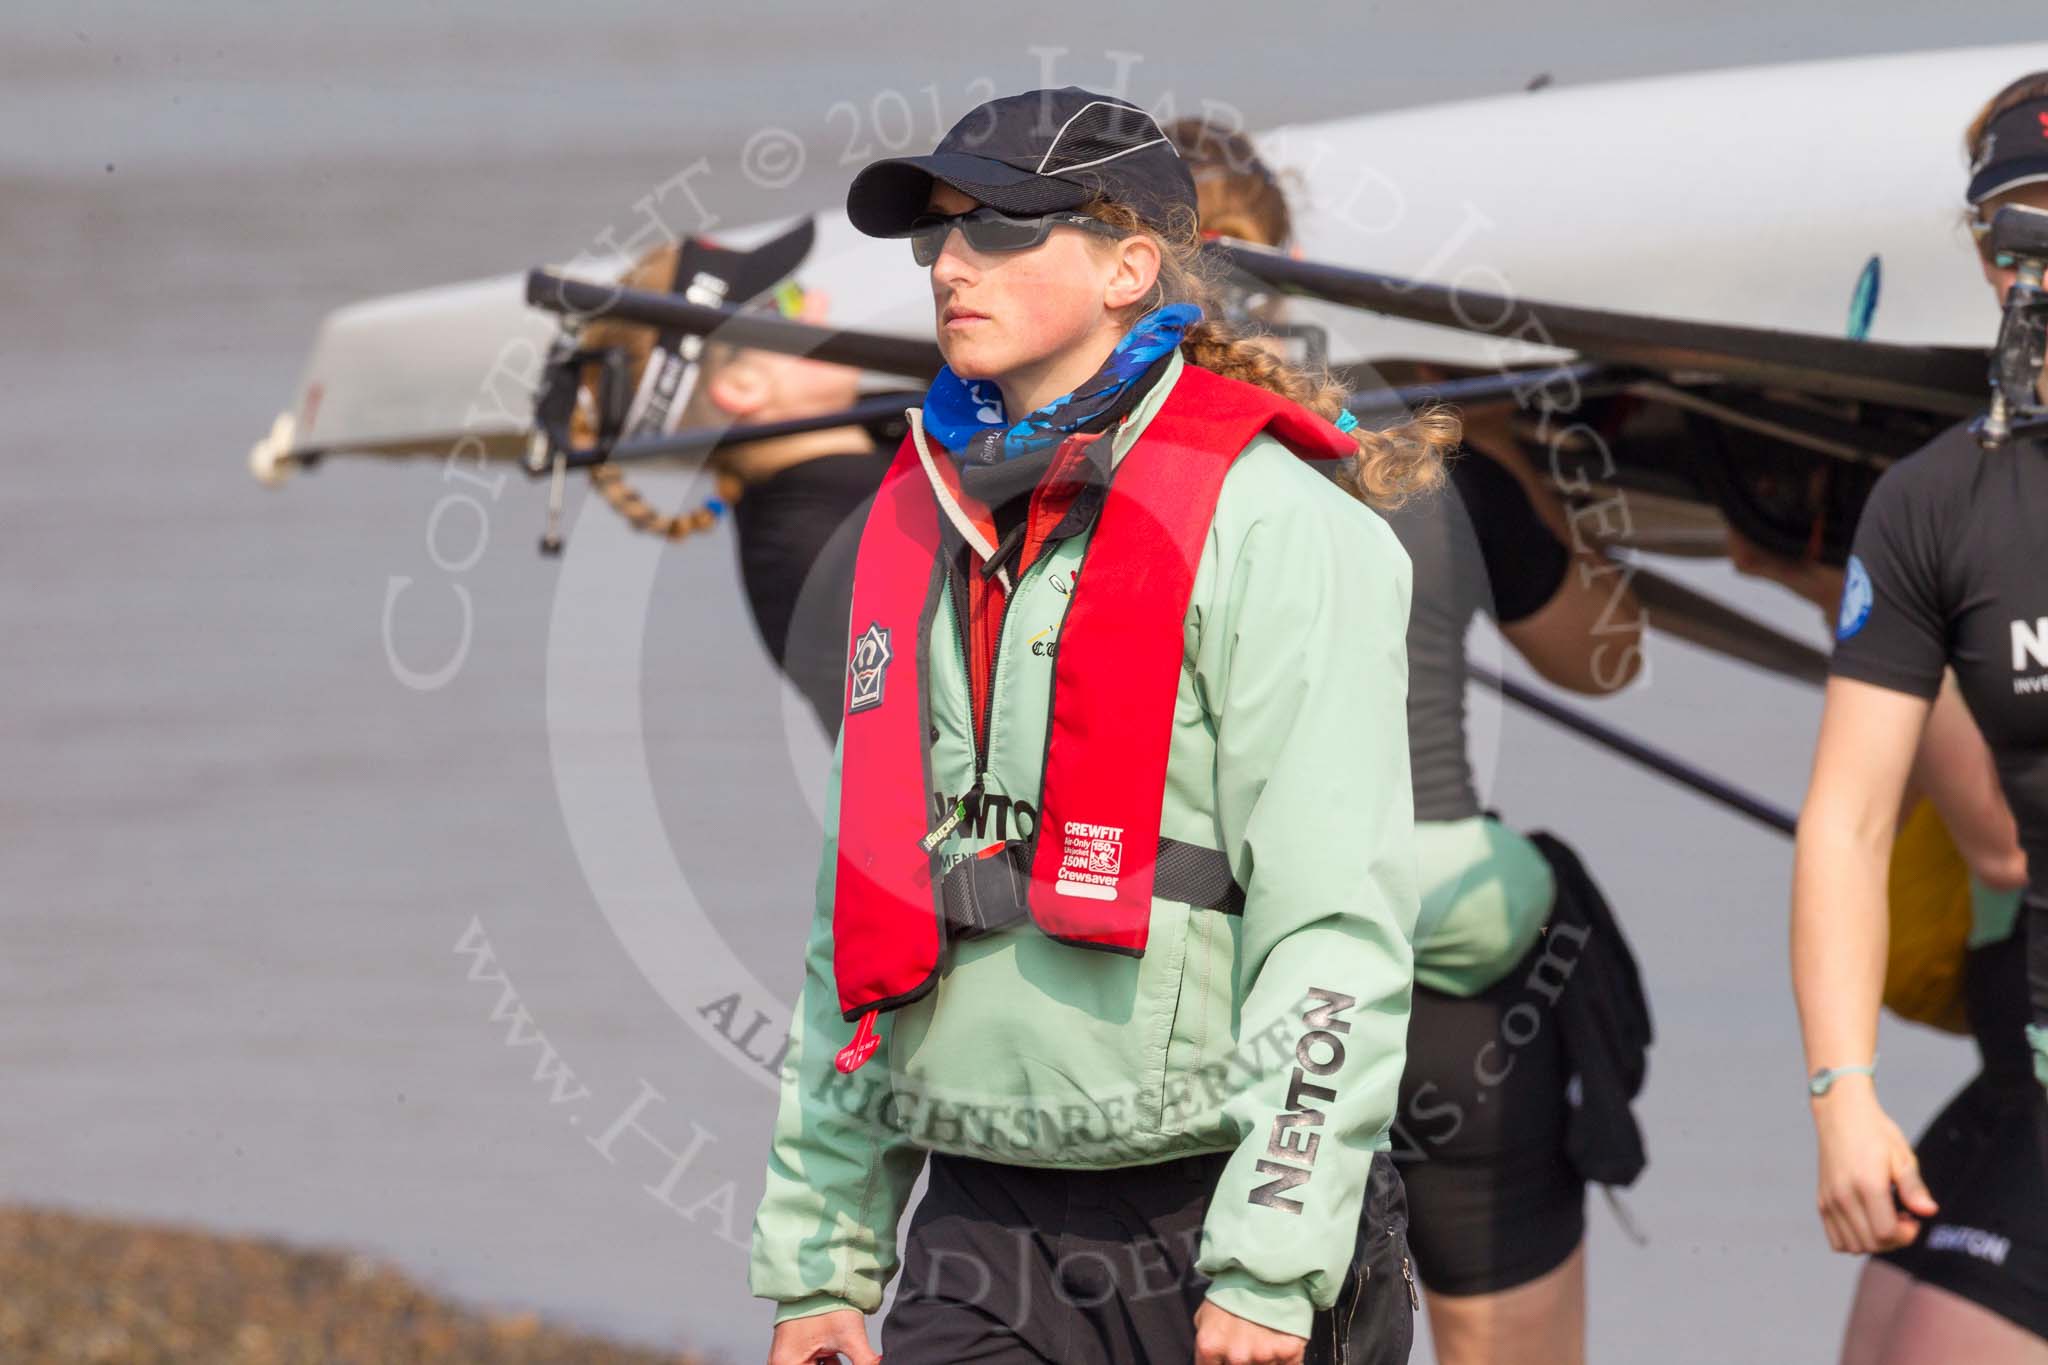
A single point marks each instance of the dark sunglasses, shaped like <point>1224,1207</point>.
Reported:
<point>988,230</point>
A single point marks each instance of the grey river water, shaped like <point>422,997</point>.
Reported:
<point>259,902</point>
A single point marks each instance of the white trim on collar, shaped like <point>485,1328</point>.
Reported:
<point>949,504</point>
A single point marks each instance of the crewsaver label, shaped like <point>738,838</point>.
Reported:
<point>1091,860</point>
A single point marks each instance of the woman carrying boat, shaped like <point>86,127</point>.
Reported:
<point>1496,1206</point>
<point>1113,919</point>
<point>1946,575</point>
<point>790,496</point>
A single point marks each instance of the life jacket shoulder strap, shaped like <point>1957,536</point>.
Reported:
<point>1117,673</point>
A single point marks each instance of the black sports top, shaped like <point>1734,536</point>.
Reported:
<point>1951,568</point>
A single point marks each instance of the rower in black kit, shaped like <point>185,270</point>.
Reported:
<point>1951,569</point>
<point>1945,576</point>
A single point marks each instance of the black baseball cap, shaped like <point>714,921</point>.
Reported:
<point>1038,152</point>
<point>2014,151</point>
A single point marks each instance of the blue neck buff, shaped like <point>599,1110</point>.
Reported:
<point>967,418</point>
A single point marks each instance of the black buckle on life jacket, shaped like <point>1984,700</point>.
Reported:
<point>987,891</point>
<point>990,890</point>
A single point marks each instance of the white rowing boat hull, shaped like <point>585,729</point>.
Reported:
<point>1755,197</point>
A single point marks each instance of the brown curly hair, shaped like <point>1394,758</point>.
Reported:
<point>1392,465</point>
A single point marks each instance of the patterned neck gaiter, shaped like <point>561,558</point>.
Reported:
<point>967,418</point>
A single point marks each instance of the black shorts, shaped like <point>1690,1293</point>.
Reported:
<point>1493,1200</point>
<point>1983,1162</point>
<point>1013,1265</point>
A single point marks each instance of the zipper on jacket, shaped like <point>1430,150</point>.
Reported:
<point>961,625</point>
<point>981,724</point>
<point>995,668</point>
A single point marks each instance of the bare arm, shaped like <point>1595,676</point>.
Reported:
<point>1839,925</point>
<point>1588,637</point>
<point>1840,928</point>
<point>1953,769</point>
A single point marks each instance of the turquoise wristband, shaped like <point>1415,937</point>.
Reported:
<point>1823,1079</point>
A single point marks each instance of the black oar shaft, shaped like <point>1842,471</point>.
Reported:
<point>698,440</point>
<point>1689,614</point>
<point>1487,388</point>
<point>1941,379</point>
<point>1629,747</point>
<point>556,293</point>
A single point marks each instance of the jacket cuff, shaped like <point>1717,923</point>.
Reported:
<point>811,1307</point>
<point>1282,1307</point>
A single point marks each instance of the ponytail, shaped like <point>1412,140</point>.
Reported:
<point>653,272</point>
<point>1392,465</point>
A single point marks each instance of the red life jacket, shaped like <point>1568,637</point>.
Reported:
<point>1115,680</point>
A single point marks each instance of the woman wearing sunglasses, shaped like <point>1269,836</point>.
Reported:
<point>1113,919</point>
<point>1947,574</point>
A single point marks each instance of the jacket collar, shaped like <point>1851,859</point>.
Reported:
<point>1126,433</point>
<point>1103,456</point>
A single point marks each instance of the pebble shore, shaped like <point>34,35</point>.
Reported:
<point>111,1292</point>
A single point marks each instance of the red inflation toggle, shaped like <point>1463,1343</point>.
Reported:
<point>865,1040</point>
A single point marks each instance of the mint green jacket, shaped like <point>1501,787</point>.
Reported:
<point>1278,1035</point>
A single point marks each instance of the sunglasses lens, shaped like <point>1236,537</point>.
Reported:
<point>928,240</point>
<point>984,229</point>
<point>995,233</point>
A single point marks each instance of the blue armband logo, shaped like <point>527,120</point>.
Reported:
<point>1856,600</point>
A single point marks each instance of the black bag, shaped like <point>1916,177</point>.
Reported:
<point>1604,1022</point>
<point>1373,1320</point>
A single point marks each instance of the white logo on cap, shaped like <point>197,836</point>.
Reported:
<point>1984,157</point>
<point>1083,165</point>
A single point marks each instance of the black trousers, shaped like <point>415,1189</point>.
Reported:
<point>1017,1265</point>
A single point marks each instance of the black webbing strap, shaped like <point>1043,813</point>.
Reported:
<point>1200,876</point>
<point>984,894</point>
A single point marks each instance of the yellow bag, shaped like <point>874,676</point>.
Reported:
<point>1929,894</point>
